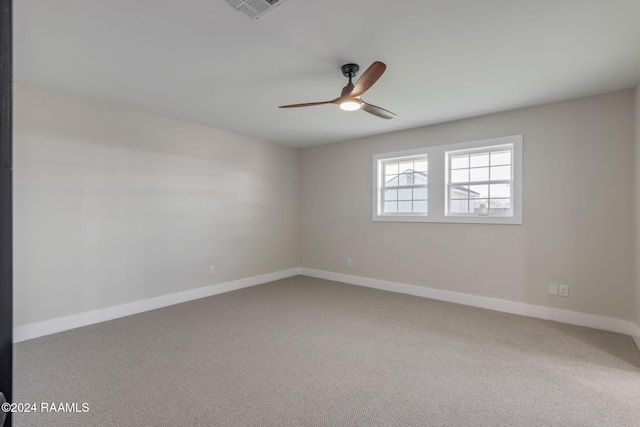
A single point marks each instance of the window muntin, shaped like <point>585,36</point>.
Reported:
<point>403,185</point>
<point>480,181</point>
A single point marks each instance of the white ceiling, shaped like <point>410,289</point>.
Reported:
<point>202,62</point>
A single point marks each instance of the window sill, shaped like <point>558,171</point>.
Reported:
<point>462,219</point>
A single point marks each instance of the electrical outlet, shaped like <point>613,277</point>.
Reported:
<point>553,289</point>
<point>564,290</point>
<point>348,262</point>
<point>212,270</point>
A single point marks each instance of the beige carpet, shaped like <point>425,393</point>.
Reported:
<point>310,352</point>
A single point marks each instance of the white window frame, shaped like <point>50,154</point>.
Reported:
<point>380,187</point>
<point>488,182</point>
<point>437,204</point>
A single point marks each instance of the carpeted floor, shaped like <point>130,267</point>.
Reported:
<point>310,352</point>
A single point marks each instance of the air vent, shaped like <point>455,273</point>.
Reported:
<point>254,9</point>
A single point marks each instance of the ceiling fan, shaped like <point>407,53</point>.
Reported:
<point>350,98</point>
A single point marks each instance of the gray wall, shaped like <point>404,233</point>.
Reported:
<point>578,211</point>
<point>114,205</point>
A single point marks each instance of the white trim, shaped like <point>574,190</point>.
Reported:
<point>35,330</point>
<point>563,316</point>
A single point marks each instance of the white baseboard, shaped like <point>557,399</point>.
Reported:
<point>563,316</point>
<point>35,330</point>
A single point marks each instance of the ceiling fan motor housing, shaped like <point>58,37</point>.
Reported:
<point>350,70</point>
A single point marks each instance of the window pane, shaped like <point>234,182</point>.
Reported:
<point>420,178</point>
<point>461,175</point>
<point>459,206</point>
<point>459,192</point>
<point>420,206</point>
<point>391,181</point>
<point>460,162</point>
<point>501,158</point>
<point>405,166</point>
<point>500,173</point>
<point>420,166</point>
<point>479,159</point>
<point>406,179</point>
<point>405,206</point>
<point>480,174</point>
<point>405,194</point>
<point>479,191</point>
<point>499,190</point>
<point>480,206</point>
<point>390,207</point>
<point>420,194</point>
<point>412,173</point>
<point>391,168</point>
<point>500,206</point>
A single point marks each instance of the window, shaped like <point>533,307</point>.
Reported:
<point>403,186</point>
<point>480,181</point>
<point>477,182</point>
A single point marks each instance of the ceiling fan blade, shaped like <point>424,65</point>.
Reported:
<point>377,111</point>
<point>368,78</point>
<point>310,104</point>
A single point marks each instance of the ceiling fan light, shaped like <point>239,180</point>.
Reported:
<point>350,105</point>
